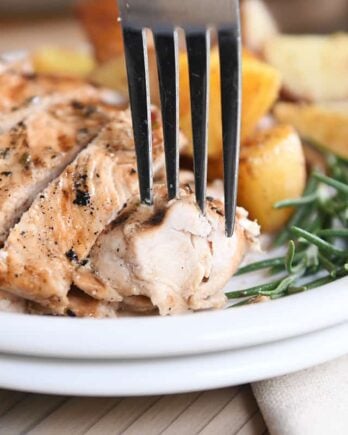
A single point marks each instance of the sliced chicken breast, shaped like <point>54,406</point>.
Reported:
<point>170,254</point>
<point>79,305</point>
<point>18,88</point>
<point>37,149</point>
<point>22,94</point>
<point>56,234</point>
<point>11,303</point>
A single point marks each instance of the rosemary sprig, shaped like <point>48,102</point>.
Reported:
<point>336,184</point>
<point>333,232</point>
<point>324,246</point>
<point>314,240</point>
<point>297,201</point>
<point>301,213</point>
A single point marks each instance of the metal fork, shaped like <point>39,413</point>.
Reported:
<point>196,18</point>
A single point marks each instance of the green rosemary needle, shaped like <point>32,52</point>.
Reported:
<point>309,253</point>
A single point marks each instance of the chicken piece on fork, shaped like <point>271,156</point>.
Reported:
<point>191,260</point>
<point>196,18</point>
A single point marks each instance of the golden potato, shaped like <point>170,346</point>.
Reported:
<point>260,88</point>
<point>313,67</point>
<point>326,124</point>
<point>61,61</point>
<point>258,24</point>
<point>112,74</point>
<point>272,168</point>
<point>99,18</point>
<point>261,85</point>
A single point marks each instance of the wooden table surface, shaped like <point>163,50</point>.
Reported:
<point>226,411</point>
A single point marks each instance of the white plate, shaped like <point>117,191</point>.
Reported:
<point>140,337</point>
<point>130,377</point>
<point>153,355</point>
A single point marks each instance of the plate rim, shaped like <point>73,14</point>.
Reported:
<point>188,373</point>
<point>146,337</point>
<point>34,336</point>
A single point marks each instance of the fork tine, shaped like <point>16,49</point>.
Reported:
<point>167,63</point>
<point>138,84</point>
<point>198,51</point>
<point>230,71</point>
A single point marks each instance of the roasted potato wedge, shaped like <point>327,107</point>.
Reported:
<point>61,61</point>
<point>313,68</point>
<point>260,89</point>
<point>261,85</point>
<point>99,19</point>
<point>326,124</point>
<point>272,168</point>
<point>112,74</point>
<point>258,24</point>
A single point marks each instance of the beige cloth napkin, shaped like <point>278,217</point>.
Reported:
<point>309,402</point>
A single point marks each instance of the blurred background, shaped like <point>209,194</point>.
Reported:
<point>27,23</point>
<point>292,15</point>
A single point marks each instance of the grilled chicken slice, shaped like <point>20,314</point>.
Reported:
<point>170,254</point>
<point>11,303</point>
<point>18,88</point>
<point>56,234</point>
<point>37,149</point>
<point>79,305</point>
<point>9,119</point>
<point>23,93</point>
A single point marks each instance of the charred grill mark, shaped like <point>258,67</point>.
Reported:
<point>65,142</point>
<point>216,208</point>
<point>89,110</point>
<point>25,160</point>
<point>4,153</point>
<point>71,255</point>
<point>38,161</point>
<point>82,196</point>
<point>120,220</point>
<point>77,105</point>
<point>29,76</point>
<point>70,313</point>
<point>18,128</point>
<point>85,109</point>
<point>156,218</point>
<point>124,215</point>
<point>211,247</point>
